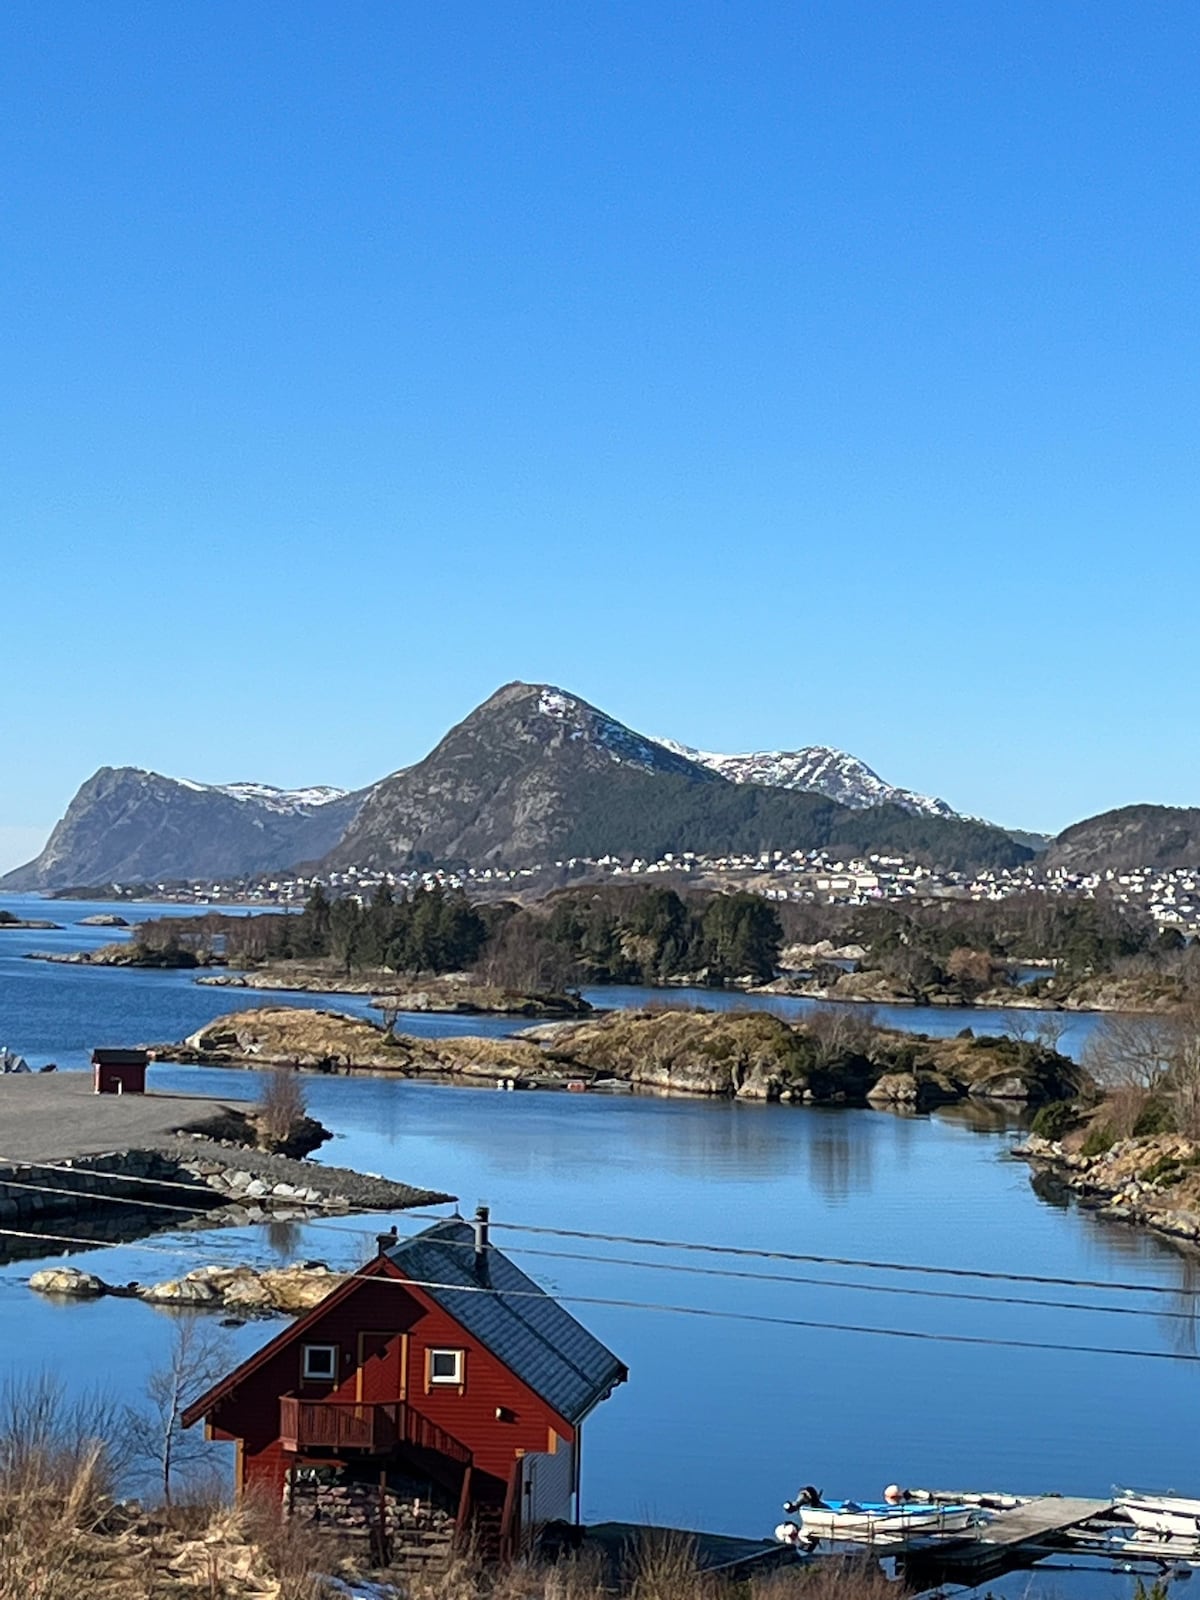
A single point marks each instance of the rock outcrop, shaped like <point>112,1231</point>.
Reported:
<point>249,1290</point>
<point>749,1055</point>
<point>1151,1182</point>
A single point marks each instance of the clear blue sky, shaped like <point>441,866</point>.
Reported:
<point>768,374</point>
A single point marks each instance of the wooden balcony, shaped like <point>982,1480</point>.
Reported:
<point>341,1426</point>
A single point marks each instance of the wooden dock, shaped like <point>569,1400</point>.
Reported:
<point>1015,1538</point>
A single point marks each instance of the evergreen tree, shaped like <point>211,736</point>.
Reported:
<point>347,924</point>
<point>312,937</point>
<point>743,936</point>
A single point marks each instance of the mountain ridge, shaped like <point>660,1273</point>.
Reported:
<point>816,769</point>
<point>531,775</point>
<point>126,824</point>
<point>1145,835</point>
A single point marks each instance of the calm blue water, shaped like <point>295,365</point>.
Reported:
<point>721,1419</point>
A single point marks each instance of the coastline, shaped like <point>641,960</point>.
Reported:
<point>126,1163</point>
<point>1152,1182</point>
<point>428,998</point>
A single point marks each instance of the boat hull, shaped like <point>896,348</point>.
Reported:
<point>1169,1517</point>
<point>855,1524</point>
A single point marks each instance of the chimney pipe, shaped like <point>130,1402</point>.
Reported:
<point>482,1213</point>
<point>385,1241</point>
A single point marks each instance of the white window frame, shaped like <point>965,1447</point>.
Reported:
<point>453,1380</point>
<point>332,1350</point>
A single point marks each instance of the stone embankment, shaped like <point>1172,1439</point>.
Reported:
<point>1150,1182</point>
<point>747,1055</point>
<point>188,1179</point>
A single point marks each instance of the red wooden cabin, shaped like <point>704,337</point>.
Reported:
<point>440,1369</point>
<point>119,1071</point>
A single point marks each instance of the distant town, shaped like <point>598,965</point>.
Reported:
<point>1171,898</point>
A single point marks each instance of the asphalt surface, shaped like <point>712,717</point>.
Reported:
<point>51,1116</point>
<point>55,1116</point>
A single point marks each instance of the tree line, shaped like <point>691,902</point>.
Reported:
<point>640,935</point>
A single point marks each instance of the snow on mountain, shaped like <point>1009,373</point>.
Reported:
<point>833,773</point>
<point>620,744</point>
<point>286,802</point>
<point>284,799</point>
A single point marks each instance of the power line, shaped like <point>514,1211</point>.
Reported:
<point>739,1251</point>
<point>843,1261</point>
<point>755,1318</point>
<point>908,1292</point>
<point>799,1280</point>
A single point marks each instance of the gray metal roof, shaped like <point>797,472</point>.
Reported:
<point>522,1325</point>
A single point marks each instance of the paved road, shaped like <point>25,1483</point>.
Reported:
<point>49,1116</point>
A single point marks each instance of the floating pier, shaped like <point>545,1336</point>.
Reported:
<point>1021,1533</point>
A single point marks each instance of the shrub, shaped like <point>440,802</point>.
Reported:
<point>1165,1170</point>
<point>1054,1119</point>
<point>1100,1138</point>
<point>1156,1116</point>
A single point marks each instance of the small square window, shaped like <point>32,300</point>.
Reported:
<point>319,1362</point>
<point>446,1366</point>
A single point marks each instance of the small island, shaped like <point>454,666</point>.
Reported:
<point>9,921</point>
<point>841,1058</point>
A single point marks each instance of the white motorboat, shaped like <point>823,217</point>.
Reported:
<point>877,1522</point>
<point>1168,1516</point>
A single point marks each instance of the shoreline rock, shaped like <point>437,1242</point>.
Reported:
<point>1150,1182</point>
<point>250,1291</point>
<point>125,954</point>
<point>442,996</point>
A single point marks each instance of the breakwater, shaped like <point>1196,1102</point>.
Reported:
<point>122,1194</point>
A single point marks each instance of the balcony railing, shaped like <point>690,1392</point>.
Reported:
<point>362,1427</point>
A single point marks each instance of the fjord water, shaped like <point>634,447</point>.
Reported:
<point>722,1418</point>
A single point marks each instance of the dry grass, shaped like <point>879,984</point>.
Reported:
<point>855,1578</point>
<point>661,1567</point>
<point>294,1552</point>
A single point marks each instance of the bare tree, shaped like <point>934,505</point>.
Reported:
<point>1130,1050</point>
<point>838,1029</point>
<point>1050,1027</point>
<point>199,1355</point>
<point>1148,1055</point>
<point>280,1107</point>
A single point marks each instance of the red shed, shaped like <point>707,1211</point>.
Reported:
<point>438,1383</point>
<point>119,1071</point>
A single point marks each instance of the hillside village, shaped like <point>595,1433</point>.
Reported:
<point>1170,897</point>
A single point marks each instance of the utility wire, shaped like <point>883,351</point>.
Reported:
<point>643,1242</point>
<point>800,1280</point>
<point>842,1261</point>
<point>758,1319</point>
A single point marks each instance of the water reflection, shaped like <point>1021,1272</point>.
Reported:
<point>1181,1326</point>
<point>839,1157</point>
<point>283,1239</point>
